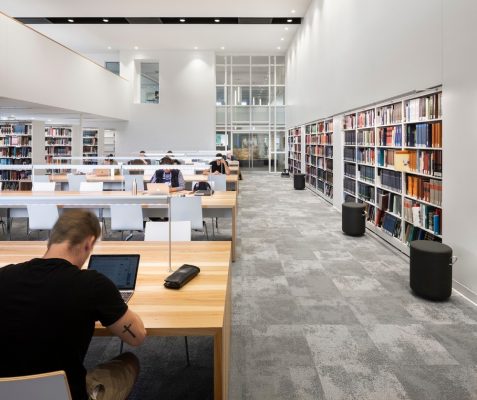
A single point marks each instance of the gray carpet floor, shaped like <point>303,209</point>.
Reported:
<point>316,315</point>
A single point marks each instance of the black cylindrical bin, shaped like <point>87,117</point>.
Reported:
<point>299,181</point>
<point>431,269</point>
<point>353,218</point>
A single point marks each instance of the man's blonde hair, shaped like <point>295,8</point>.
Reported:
<point>74,226</point>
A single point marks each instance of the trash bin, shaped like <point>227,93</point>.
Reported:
<point>299,181</point>
<point>430,268</point>
<point>353,218</point>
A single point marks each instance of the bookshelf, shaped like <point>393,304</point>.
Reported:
<point>109,145</point>
<point>403,199</point>
<point>319,157</point>
<point>15,149</point>
<point>58,143</point>
<point>90,145</point>
<point>295,150</point>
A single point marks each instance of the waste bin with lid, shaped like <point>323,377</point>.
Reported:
<point>299,181</point>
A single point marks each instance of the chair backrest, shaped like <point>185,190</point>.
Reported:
<point>40,178</point>
<point>43,186</point>
<point>128,182</point>
<point>187,209</point>
<point>91,187</point>
<point>220,182</point>
<point>126,217</point>
<point>49,386</point>
<point>180,231</point>
<point>42,216</point>
<point>74,182</point>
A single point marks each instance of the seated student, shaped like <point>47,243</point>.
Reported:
<point>218,166</point>
<point>49,307</point>
<point>142,157</point>
<point>173,177</point>
<point>175,161</point>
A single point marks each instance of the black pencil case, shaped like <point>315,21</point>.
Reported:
<point>180,277</point>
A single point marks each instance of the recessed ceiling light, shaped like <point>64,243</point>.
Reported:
<point>217,20</point>
<point>293,11</point>
<point>286,28</point>
<point>71,20</point>
<point>196,48</point>
<point>279,48</point>
<point>222,48</point>
<point>282,39</point>
<point>109,47</point>
<point>182,20</point>
<point>105,20</point>
<point>289,20</point>
<point>136,48</point>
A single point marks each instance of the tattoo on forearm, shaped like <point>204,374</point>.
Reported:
<point>127,328</point>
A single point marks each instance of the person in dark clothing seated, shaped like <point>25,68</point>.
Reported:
<point>218,166</point>
<point>49,307</point>
<point>173,177</point>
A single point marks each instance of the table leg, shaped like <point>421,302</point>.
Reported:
<point>234,231</point>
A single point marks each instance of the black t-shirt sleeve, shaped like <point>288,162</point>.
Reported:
<point>107,303</point>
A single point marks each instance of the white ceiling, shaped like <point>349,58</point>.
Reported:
<point>97,38</point>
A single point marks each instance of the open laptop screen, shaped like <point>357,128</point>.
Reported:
<point>120,268</point>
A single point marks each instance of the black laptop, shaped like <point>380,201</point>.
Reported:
<point>121,269</point>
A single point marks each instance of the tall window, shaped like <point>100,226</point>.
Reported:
<point>149,82</point>
<point>250,109</point>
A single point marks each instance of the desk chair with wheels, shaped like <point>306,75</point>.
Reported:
<point>49,386</point>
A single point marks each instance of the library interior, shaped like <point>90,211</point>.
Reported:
<point>238,200</point>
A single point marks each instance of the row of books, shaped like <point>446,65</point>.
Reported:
<point>429,190</point>
<point>14,175</point>
<point>391,224</point>
<point>390,202</point>
<point>350,169</point>
<point>21,129</point>
<point>349,185</point>
<point>329,177</point>
<point>349,121</point>
<point>391,114</point>
<point>15,141</point>
<point>390,136</point>
<point>349,154</point>
<point>386,158</point>
<point>426,162</point>
<point>366,173</point>
<point>370,211</point>
<point>365,155</point>
<point>390,179</point>
<point>315,151</point>
<point>329,191</point>
<point>350,137</point>
<point>55,131</point>
<point>423,216</point>
<point>366,192</point>
<point>366,138</point>
<point>427,107</point>
<point>329,152</point>
<point>424,135</point>
<point>15,152</point>
<point>414,233</point>
<point>58,141</point>
<point>366,118</point>
<point>58,151</point>
<point>326,126</point>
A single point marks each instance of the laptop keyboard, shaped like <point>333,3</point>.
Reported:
<point>126,296</point>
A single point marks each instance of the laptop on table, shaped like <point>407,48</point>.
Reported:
<point>121,269</point>
<point>158,188</point>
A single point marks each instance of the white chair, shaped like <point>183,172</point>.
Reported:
<point>126,217</point>
<point>189,209</point>
<point>128,182</point>
<point>91,186</point>
<point>220,182</point>
<point>43,186</point>
<point>41,217</point>
<point>180,231</point>
<point>220,185</point>
<point>40,178</point>
<point>49,386</point>
<point>74,182</point>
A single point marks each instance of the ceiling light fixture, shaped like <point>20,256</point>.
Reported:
<point>289,20</point>
<point>196,48</point>
<point>136,48</point>
<point>293,11</point>
<point>282,39</point>
<point>105,20</point>
<point>286,28</point>
<point>182,20</point>
<point>109,47</point>
<point>71,20</point>
<point>222,48</point>
<point>217,20</point>
<point>279,48</point>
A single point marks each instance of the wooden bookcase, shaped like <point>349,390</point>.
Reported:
<point>392,162</point>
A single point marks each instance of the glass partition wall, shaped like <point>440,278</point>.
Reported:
<point>250,117</point>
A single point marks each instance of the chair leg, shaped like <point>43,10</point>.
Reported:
<point>128,237</point>
<point>205,230</point>
<point>187,351</point>
<point>122,235</point>
<point>213,229</point>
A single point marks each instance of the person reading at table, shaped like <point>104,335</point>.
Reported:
<point>49,307</point>
<point>170,176</point>
<point>218,166</point>
<point>142,157</point>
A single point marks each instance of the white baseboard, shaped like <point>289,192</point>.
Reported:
<point>464,291</point>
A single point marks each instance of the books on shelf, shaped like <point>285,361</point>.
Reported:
<point>365,155</point>
<point>366,137</point>
<point>425,107</point>
<point>424,135</point>
<point>349,154</point>
<point>390,136</point>
<point>389,114</point>
<point>366,192</point>
<point>390,179</point>
<point>366,173</point>
<point>423,216</point>
<point>350,170</point>
<point>425,189</point>
<point>366,118</point>
<point>428,162</point>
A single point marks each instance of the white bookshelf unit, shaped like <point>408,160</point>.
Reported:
<point>90,145</point>
<point>58,143</point>
<point>319,157</point>
<point>109,145</point>
<point>295,150</point>
<point>392,159</point>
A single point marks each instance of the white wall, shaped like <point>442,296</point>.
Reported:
<point>184,119</point>
<point>350,53</point>
<point>460,138</point>
<point>33,68</point>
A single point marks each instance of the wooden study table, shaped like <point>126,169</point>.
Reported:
<point>201,308</point>
<point>116,182</point>
<point>18,200</point>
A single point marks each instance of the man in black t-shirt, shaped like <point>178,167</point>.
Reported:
<point>49,307</point>
<point>218,166</point>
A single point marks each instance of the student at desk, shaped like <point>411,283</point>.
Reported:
<point>49,307</point>
<point>173,177</point>
<point>218,166</point>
